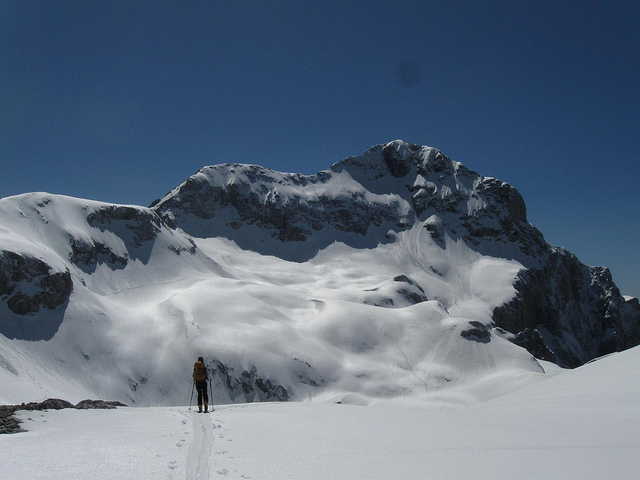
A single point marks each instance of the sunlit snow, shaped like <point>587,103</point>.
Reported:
<point>579,424</point>
<point>388,354</point>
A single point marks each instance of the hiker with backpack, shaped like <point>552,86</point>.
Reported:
<point>200,377</point>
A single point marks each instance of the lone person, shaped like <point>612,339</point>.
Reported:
<point>200,378</point>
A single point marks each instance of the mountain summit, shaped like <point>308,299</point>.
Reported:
<point>399,272</point>
<point>564,311</point>
<point>358,201</point>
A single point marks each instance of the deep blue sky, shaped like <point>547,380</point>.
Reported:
<point>122,101</point>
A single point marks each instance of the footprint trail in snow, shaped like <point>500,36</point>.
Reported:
<point>199,457</point>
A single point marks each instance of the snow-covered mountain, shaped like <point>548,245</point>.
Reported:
<point>564,311</point>
<point>396,273</point>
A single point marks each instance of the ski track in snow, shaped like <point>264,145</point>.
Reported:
<point>199,455</point>
<point>205,462</point>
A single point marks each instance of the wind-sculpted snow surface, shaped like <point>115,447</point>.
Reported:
<point>400,273</point>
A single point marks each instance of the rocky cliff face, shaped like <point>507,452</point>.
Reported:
<point>29,286</point>
<point>564,311</point>
<point>357,201</point>
<point>569,313</point>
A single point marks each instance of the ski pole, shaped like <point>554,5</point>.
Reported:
<point>193,385</point>
<point>211,389</point>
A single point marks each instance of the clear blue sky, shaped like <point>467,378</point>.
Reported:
<point>122,101</point>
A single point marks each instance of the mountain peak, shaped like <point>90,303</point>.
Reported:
<point>293,282</point>
<point>357,201</point>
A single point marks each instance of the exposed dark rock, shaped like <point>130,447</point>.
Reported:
<point>10,424</point>
<point>191,249</point>
<point>629,315</point>
<point>414,293</point>
<point>283,218</point>
<point>142,225</point>
<point>250,385</point>
<point>270,390</point>
<point>531,339</point>
<point>434,226</point>
<point>98,405</point>
<point>405,279</point>
<point>137,227</point>
<point>48,404</point>
<point>84,254</point>
<point>53,290</point>
<point>397,158</point>
<point>479,332</point>
<point>27,286</point>
<point>569,313</point>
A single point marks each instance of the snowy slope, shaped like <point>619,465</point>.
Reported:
<point>395,294</point>
<point>345,321</point>
<point>578,424</point>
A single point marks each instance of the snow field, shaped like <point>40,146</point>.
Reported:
<point>577,424</point>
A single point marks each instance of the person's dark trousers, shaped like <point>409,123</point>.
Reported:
<point>201,387</point>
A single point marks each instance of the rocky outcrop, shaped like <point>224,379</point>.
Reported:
<point>629,315</point>
<point>137,227</point>
<point>569,313</point>
<point>141,225</point>
<point>249,386</point>
<point>401,291</point>
<point>29,286</point>
<point>477,332</point>
<point>98,404</point>
<point>412,291</point>
<point>87,255</point>
<point>10,424</point>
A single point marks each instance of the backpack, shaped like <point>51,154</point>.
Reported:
<point>199,372</point>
